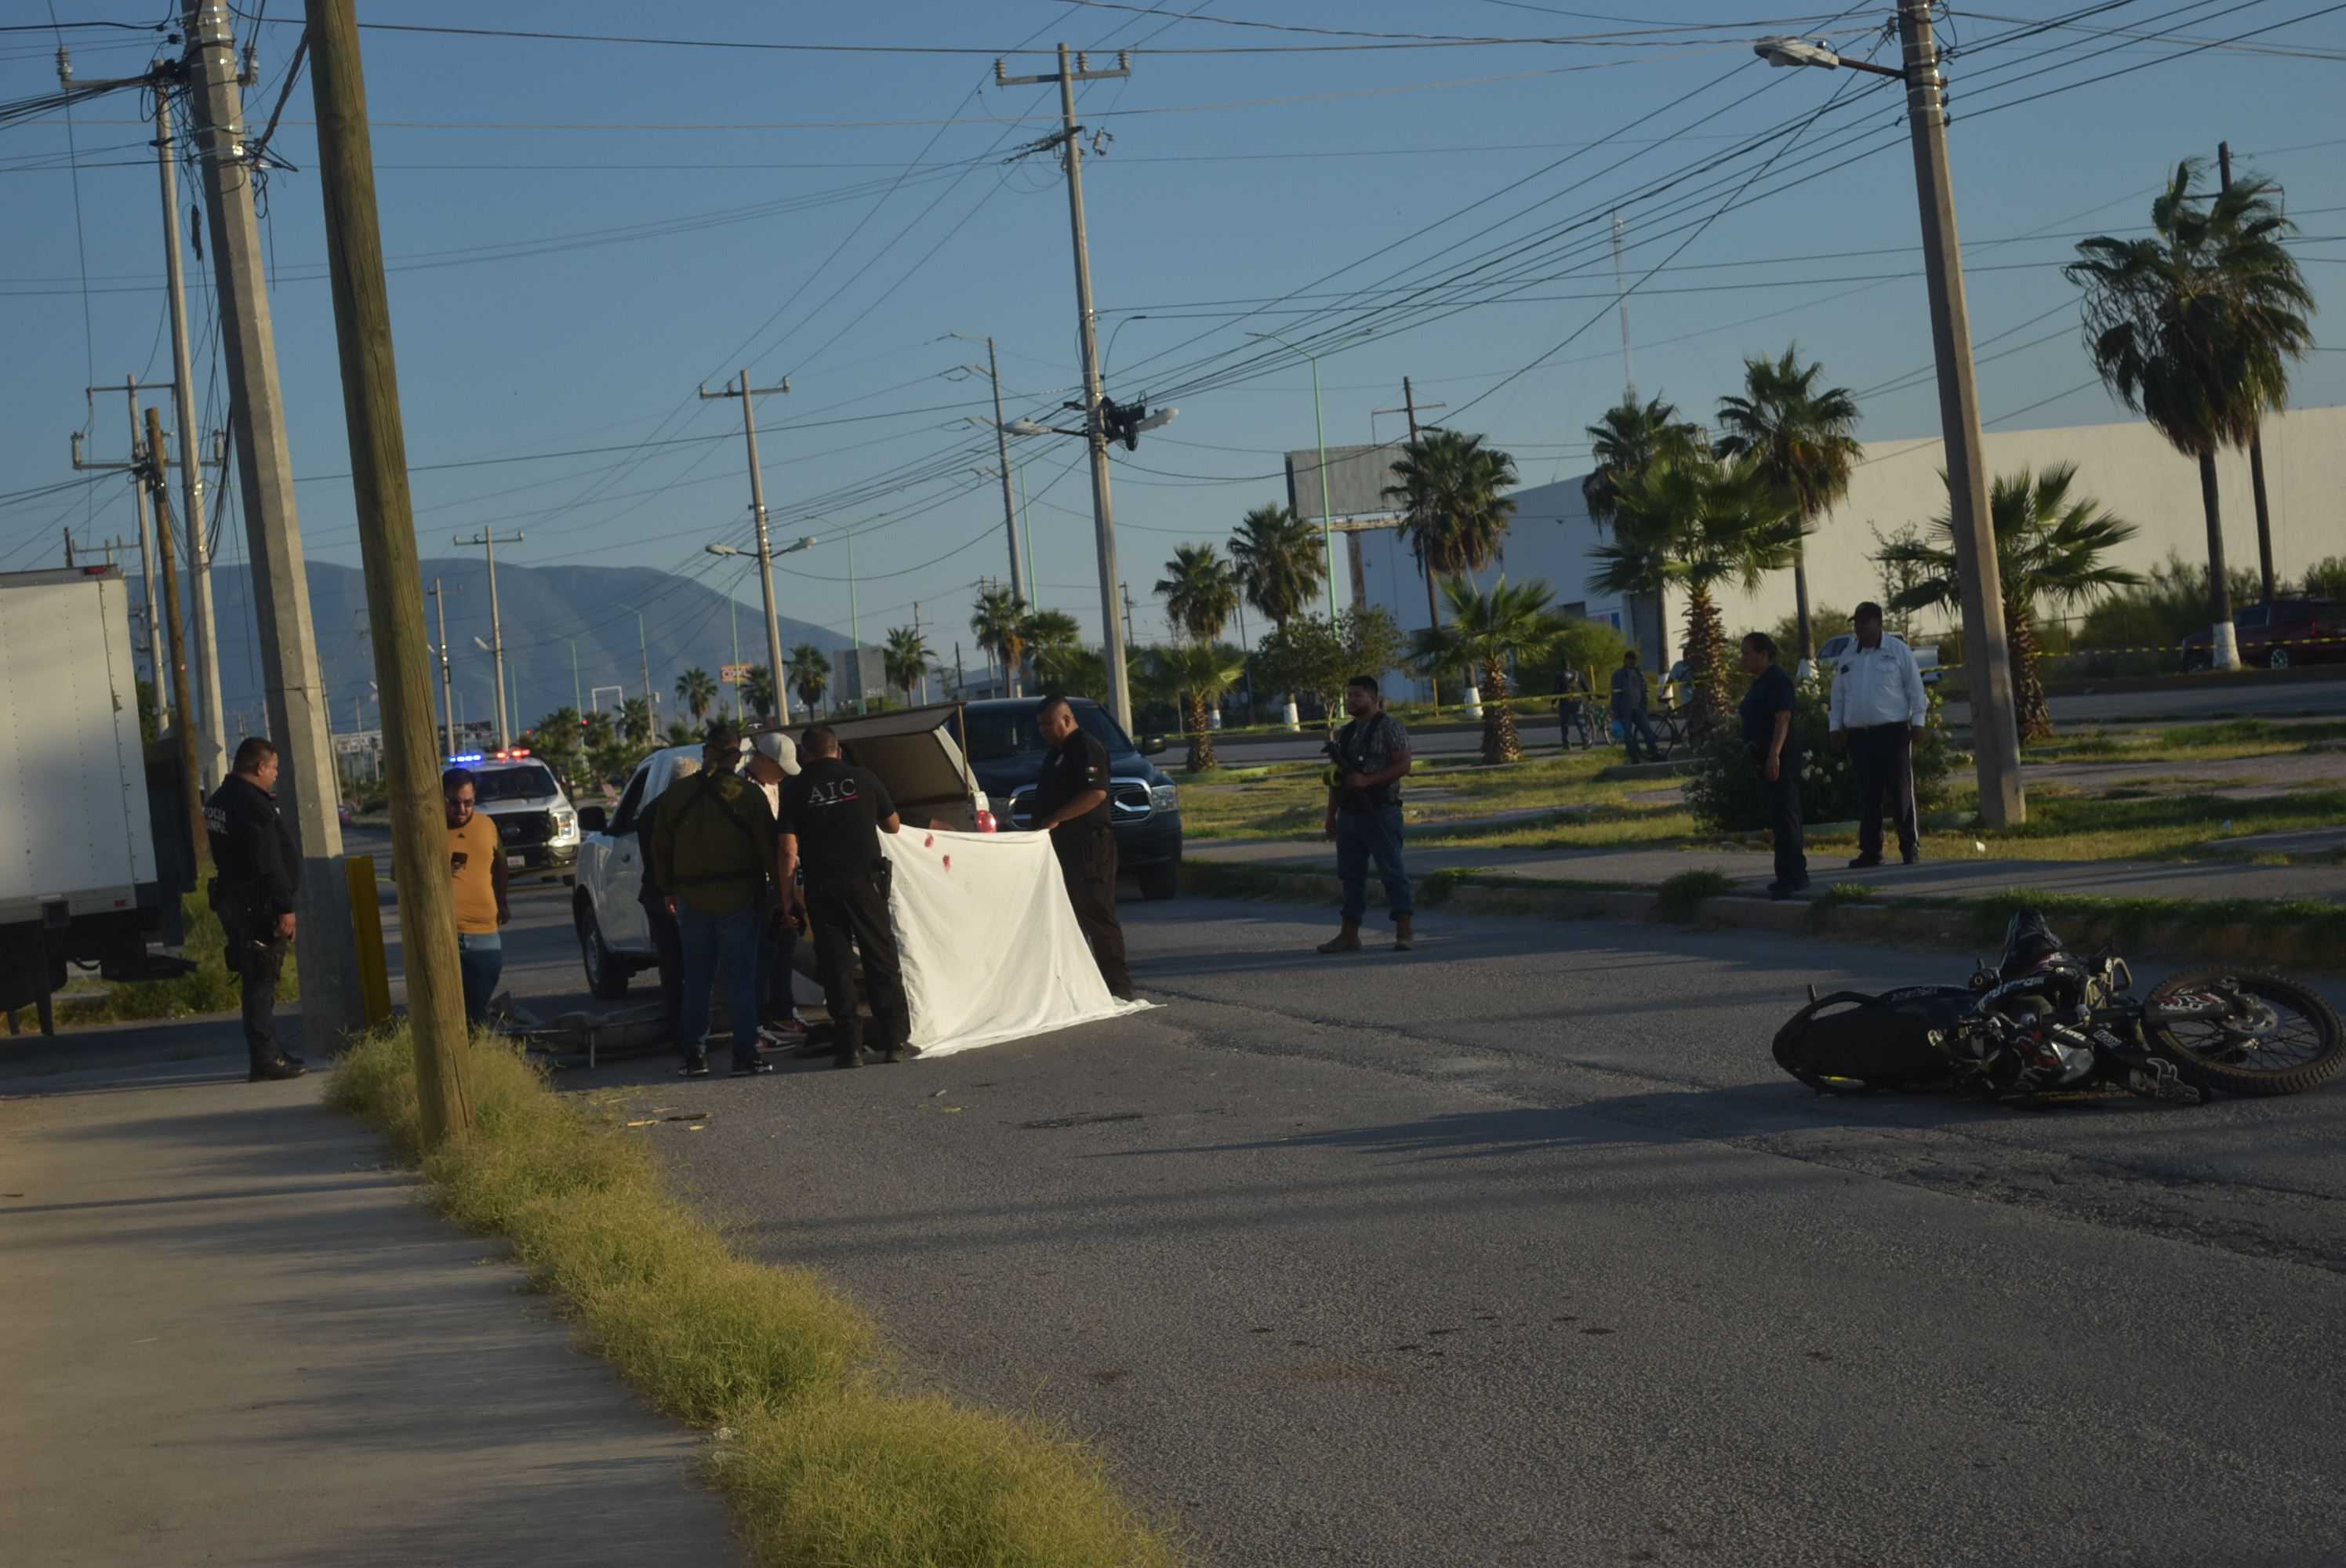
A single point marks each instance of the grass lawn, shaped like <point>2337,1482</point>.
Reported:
<point>1287,800</point>
<point>2240,737</point>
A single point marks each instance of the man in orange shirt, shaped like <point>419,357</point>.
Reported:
<point>476,865</point>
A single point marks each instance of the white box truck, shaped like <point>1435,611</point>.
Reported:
<point>81,880</point>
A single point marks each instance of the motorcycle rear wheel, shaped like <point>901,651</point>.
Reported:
<point>2306,1048</point>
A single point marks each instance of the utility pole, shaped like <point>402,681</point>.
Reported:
<point>749,394</point>
<point>644,650</point>
<point>158,656</point>
<point>1126,590</point>
<point>191,789</point>
<point>1433,609</point>
<point>447,681</point>
<point>2256,441</point>
<point>291,675</point>
<point>1995,739</point>
<point>1019,592</point>
<point>488,540</point>
<point>1119,689</point>
<point>214,751</point>
<point>435,993</point>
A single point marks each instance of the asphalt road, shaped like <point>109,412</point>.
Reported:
<point>1518,1251</point>
<point>2184,707</point>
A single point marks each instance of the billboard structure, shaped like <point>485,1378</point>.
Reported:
<point>1357,477</point>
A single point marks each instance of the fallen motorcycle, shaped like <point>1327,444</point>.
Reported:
<point>2043,1018</point>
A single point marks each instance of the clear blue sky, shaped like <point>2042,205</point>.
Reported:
<point>830,216</point>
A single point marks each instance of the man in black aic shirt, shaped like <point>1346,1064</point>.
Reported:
<point>832,816</point>
<point>1071,804</point>
<point>254,894</point>
<point>1771,734</point>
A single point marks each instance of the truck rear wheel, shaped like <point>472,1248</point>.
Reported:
<point>607,974</point>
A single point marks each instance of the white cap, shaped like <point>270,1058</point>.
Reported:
<point>779,748</point>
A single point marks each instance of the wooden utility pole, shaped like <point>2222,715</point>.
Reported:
<point>487,539</point>
<point>191,784</point>
<point>1113,635</point>
<point>223,155</point>
<point>2255,442</point>
<point>436,989</point>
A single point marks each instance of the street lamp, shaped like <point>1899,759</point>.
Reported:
<point>764,556</point>
<point>992,371</point>
<point>1995,739</point>
<point>1319,428</point>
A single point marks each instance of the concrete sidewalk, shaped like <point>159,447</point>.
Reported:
<point>234,1336</point>
<point>1751,871</point>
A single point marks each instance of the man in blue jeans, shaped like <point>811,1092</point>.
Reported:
<point>1371,758</point>
<point>713,850</point>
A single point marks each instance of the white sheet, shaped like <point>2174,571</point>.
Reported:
<point>991,948</point>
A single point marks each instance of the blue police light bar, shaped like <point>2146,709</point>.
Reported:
<point>467,757</point>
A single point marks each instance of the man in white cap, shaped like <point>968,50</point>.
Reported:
<point>774,756</point>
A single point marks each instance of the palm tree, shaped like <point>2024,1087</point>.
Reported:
<point>2195,330</point>
<point>636,720</point>
<point>999,623</point>
<point>1698,523</point>
<point>907,659</point>
<point>2049,548</point>
<point>1455,514</point>
<point>759,691</point>
<point>1054,645</point>
<point>809,671</point>
<point>696,690</point>
<point>1201,592</point>
<point>1800,441</point>
<point>1281,560</point>
<point>1196,674</point>
<point>1629,440</point>
<point>1484,631</point>
<point>679,733</point>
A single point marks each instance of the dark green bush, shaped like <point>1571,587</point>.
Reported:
<point>1723,790</point>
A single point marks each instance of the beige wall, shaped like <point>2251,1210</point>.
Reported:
<point>2127,468</point>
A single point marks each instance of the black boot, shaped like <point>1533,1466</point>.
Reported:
<point>271,1069</point>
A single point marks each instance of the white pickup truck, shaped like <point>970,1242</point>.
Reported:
<point>912,752</point>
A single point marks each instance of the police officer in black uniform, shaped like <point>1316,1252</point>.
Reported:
<point>833,813</point>
<point>1071,804</point>
<point>258,885</point>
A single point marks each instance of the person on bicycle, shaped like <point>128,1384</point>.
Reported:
<point>1571,704</point>
<point>1629,708</point>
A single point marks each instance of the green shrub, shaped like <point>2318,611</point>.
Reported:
<point>2325,578</point>
<point>1592,647</point>
<point>1679,898</point>
<point>1724,792</point>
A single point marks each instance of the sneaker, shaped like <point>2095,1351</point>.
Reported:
<point>1911,858</point>
<point>276,1069</point>
<point>694,1067</point>
<point>900,1052</point>
<point>752,1067</point>
<point>1865,862</point>
<point>848,1056</point>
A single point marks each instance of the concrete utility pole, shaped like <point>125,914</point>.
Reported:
<point>447,681</point>
<point>1020,590</point>
<point>487,539</point>
<point>326,953</point>
<point>436,989</point>
<point>1433,608</point>
<point>191,789</point>
<point>749,394</point>
<point>214,748</point>
<point>1119,689</point>
<point>2255,442</point>
<point>1987,658</point>
<point>158,656</point>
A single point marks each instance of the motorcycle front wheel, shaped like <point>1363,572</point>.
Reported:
<point>2279,1038</point>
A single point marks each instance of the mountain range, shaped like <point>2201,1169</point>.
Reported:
<point>550,615</point>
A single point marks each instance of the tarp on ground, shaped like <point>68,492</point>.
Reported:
<point>991,948</point>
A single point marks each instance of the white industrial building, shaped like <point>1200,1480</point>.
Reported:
<point>2128,467</point>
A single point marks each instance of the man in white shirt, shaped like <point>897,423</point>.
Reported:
<point>1878,712</point>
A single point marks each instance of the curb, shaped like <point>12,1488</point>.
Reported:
<point>2264,933</point>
